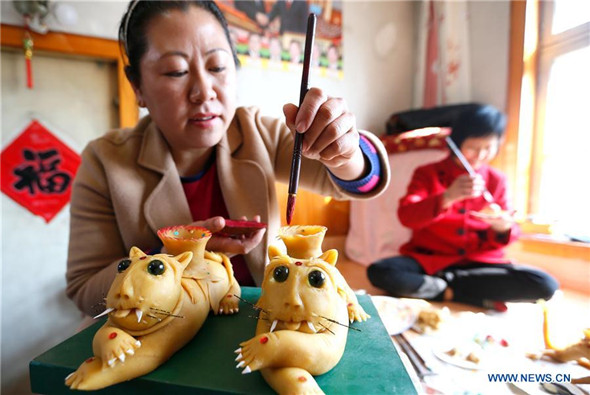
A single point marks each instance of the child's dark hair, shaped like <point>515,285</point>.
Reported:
<point>481,121</point>
<point>132,29</point>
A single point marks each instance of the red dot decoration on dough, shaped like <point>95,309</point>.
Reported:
<point>143,257</point>
<point>298,263</point>
<point>302,379</point>
<point>350,305</point>
<point>263,340</point>
<point>228,296</point>
<point>89,360</point>
<point>112,335</point>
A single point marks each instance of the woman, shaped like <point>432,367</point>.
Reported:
<point>456,249</point>
<point>197,159</point>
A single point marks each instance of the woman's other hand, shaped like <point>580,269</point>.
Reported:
<point>329,133</point>
<point>463,187</point>
<point>228,245</point>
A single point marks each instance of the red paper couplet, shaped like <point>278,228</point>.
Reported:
<point>38,170</point>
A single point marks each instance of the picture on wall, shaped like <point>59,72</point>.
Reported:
<point>270,34</point>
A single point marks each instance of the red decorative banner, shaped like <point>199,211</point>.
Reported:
<point>38,170</point>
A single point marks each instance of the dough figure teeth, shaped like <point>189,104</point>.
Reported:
<point>139,314</point>
<point>121,313</point>
<point>122,357</point>
<point>274,325</point>
<point>104,312</point>
<point>310,325</point>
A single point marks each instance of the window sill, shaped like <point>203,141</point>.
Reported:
<point>551,245</point>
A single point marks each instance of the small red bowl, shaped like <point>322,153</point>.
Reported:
<point>234,228</point>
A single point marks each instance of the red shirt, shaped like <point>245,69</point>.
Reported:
<point>444,237</point>
<point>205,200</point>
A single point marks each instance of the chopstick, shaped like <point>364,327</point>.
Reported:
<point>297,145</point>
<point>457,152</point>
<point>415,359</point>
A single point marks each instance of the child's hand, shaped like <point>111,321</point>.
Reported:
<point>463,187</point>
<point>500,221</point>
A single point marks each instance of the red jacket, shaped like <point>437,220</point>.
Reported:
<point>444,237</point>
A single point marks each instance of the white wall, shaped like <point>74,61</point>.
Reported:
<point>36,313</point>
<point>378,54</point>
<point>489,29</point>
<point>378,59</point>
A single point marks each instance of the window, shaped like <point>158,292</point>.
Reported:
<point>553,155</point>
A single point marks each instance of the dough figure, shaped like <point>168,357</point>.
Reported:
<point>579,352</point>
<point>305,308</point>
<point>155,306</point>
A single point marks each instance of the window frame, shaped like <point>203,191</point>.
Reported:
<point>516,159</point>
<point>550,47</point>
<point>532,51</point>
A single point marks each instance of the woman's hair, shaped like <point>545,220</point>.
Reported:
<point>132,29</point>
<point>481,121</point>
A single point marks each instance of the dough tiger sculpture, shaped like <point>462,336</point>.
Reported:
<point>304,311</point>
<point>155,305</point>
<point>579,352</point>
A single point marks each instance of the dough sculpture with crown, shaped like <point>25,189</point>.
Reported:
<point>156,304</point>
<point>304,308</point>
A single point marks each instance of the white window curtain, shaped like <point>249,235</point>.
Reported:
<point>443,72</point>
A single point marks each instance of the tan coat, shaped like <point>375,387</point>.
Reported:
<point>128,187</point>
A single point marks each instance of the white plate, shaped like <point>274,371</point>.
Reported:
<point>397,315</point>
<point>441,353</point>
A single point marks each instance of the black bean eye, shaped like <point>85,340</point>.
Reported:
<point>156,267</point>
<point>281,273</point>
<point>316,278</point>
<point>124,264</point>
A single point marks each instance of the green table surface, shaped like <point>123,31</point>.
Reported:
<point>370,364</point>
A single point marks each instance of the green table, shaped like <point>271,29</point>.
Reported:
<point>370,364</point>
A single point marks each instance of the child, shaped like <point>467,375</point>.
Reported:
<point>456,252</point>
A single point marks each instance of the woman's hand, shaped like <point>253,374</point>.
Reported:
<point>463,187</point>
<point>329,133</point>
<point>228,245</point>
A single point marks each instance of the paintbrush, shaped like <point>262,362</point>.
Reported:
<point>457,152</point>
<point>297,145</point>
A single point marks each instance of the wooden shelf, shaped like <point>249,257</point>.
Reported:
<point>77,45</point>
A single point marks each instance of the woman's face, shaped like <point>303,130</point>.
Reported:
<point>188,78</point>
<point>480,150</point>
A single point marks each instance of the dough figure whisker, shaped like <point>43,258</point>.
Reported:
<point>252,305</point>
<point>339,323</point>
<point>326,328</point>
<point>166,313</point>
<point>258,318</point>
<point>154,317</point>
